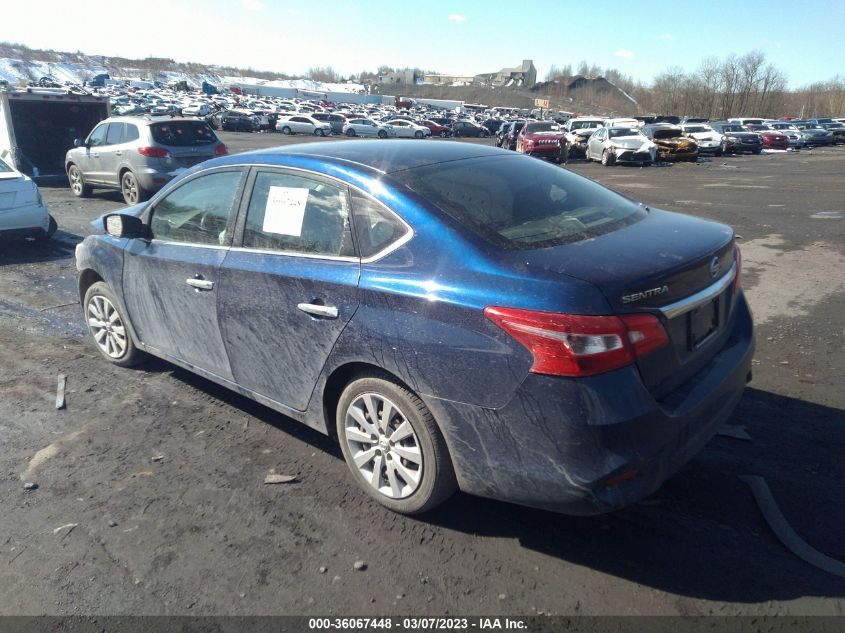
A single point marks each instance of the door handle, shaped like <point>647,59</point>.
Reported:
<point>200,284</point>
<point>329,312</point>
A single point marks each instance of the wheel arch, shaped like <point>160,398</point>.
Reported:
<point>88,278</point>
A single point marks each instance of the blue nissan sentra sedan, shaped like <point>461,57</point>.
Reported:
<point>456,315</point>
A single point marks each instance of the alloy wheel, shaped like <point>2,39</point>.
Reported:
<point>383,445</point>
<point>130,188</point>
<point>106,326</point>
<point>75,181</point>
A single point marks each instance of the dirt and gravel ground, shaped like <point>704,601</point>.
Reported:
<point>150,497</point>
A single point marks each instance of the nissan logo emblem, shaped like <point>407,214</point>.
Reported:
<point>714,267</point>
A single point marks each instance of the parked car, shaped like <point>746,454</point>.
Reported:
<point>837,129</point>
<point>336,121</point>
<point>792,133</point>
<point>138,156</point>
<point>436,128</point>
<point>671,142</point>
<point>491,125</point>
<point>197,109</point>
<point>813,134</point>
<point>708,140</point>
<point>772,139</point>
<point>470,129</point>
<point>543,139</point>
<point>509,138</point>
<point>501,133</point>
<point>616,144</point>
<point>366,127</point>
<point>407,129</point>
<point>497,324</point>
<point>578,132</point>
<point>302,124</point>
<point>22,211</point>
<point>237,121</point>
<point>737,138</point>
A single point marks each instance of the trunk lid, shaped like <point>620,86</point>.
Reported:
<point>663,259</point>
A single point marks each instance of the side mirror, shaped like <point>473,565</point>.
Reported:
<point>122,225</point>
<point>79,142</point>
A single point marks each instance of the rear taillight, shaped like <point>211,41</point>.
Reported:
<point>580,345</point>
<point>153,152</point>
<point>221,150</point>
<point>738,262</point>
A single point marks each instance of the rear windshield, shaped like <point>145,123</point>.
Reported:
<point>517,202</point>
<point>182,133</point>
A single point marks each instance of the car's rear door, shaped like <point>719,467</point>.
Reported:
<point>289,285</point>
<point>171,282</point>
<point>111,153</point>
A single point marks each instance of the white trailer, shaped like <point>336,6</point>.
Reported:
<point>39,125</point>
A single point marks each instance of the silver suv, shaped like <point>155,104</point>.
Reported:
<point>138,155</point>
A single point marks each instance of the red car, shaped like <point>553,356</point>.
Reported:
<point>544,139</point>
<point>436,128</point>
<point>772,139</point>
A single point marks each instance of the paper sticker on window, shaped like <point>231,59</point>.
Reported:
<point>285,210</point>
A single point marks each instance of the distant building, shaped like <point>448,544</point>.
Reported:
<point>406,76</point>
<point>523,76</point>
<point>449,80</point>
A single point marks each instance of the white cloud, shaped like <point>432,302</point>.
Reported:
<point>624,54</point>
<point>455,17</point>
<point>253,5</point>
<point>665,37</point>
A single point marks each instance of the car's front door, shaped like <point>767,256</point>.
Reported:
<point>89,161</point>
<point>171,281</point>
<point>289,285</point>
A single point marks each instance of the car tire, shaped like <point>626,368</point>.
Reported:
<point>382,134</point>
<point>286,130</point>
<point>444,134</point>
<point>350,132</point>
<point>758,151</point>
<point>77,183</point>
<point>419,462</point>
<point>114,342</point>
<point>319,132</point>
<point>44,236</point>
<point>418,134</point>
<point>132,191</point>
<point>607,159</point>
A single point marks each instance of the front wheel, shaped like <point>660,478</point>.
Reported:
<point>109,328</point>
<point>607,159</point>
<point>392,445</point>
<point>319,132</point>
<point>132,192</point>
<point>382,134</point>
<point>286,130</point>
<point>77,184</point>
<point>350,132</point>
<point>444,134</point>
<point>418,134</point>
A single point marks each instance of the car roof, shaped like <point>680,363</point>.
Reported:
<point>383,156</point>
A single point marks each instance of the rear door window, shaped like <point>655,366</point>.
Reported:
<point>131,133</point>
<point>182,133</point>
<point>376,227</point>
<point>115,134</point>
<point>294,213</point>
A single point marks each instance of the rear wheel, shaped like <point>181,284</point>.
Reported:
<point>132,192</point>
<point>109,327</point>
<point>319,132</point>
<point>418,134</point>
<point>44,236</point>
<point>77,184</point>
<point>392,445</point>
<point>286,130</point>
<point>382,134</point>
<point>350,132</point>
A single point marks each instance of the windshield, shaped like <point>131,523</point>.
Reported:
<point>622,131</point>
<point>695,129</point>
<point>733,128</point>
<point>183,133</point>
<point>542,127</point>
<point>583,125</point>
<point>519,203</point>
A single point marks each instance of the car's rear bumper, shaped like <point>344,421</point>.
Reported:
<point>22,221</point>
<point>593,445</point>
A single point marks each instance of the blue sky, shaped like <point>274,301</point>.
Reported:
<point>801,37</point>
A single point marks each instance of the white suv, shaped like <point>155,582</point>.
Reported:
<point>303,124</point>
